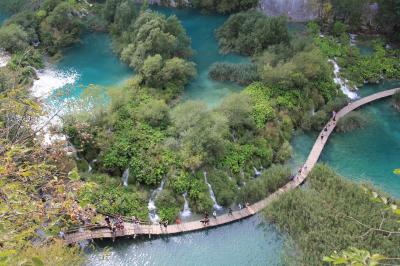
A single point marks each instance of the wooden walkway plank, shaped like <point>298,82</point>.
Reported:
<point>312,159</point>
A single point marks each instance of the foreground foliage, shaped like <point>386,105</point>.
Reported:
<point>334,214</point>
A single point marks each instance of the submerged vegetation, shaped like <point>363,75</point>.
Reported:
<point>352,121</point>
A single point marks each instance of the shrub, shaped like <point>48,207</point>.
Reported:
<point>251,32</point>
<point>270,180</point>
<point>318,218</point>
<point>111,198</point>
<point>243,74</point>
<point>168,205</point>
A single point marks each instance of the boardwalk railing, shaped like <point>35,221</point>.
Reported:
<point>131,229</point>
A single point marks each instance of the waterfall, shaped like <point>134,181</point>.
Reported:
<point>151,206</point>
<point>125,177</point>
<point>212,195</point>
<point>353,39</point>
<point>90,165</point>
<point>256,172</point>
<point>186,210</point>
<point>344,86</point>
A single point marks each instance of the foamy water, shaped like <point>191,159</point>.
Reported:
<point>50,80</point>
<point>344,85</point>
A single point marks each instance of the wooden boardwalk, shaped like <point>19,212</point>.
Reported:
<point>133,230</point>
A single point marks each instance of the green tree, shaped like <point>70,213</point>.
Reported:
<point>13,38</point>
<point>61,28</point>
<point>389,18</point>
<point>251,32</point>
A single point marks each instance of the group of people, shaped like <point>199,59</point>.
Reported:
<point>115,224</point>
<point>206,220</point>
<point>329,124</point>
<point>164,224</point>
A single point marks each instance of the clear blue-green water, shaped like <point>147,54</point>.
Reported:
<point>248,242</point>
<point>92,61</point>
<point>201,29</point>
<point>3,17</point>
<point>368,154</point>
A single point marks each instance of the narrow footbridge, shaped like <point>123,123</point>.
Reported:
<point>133,230</point>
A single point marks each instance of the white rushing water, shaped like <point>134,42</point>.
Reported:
<point>186,212</point>
<point>50,80</point>
<point>91,164</point>
<point>212,195</point>
<point>125,177</point>
<point>256,172</point>
<point>344,84</point>
<point>151,206</point>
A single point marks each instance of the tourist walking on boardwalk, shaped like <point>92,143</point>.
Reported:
<point>108,222</point>
<point>334,116</point>
<point>214,214</point>
<point>230,211</point>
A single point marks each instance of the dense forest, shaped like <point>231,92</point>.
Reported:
<point>146,129</point>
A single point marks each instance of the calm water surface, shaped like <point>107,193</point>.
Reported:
<point>248,242</point>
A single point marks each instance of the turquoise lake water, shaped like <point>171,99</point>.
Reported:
<point>368,154</point>
<point>3,17</point>
<point>201,29</point>
<point>248,242</point>
<point>93,62</point>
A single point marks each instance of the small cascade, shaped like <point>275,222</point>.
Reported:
<point>212,195</point>
<point>256,172</point>
<point>353,39</point>
<point>344,86</point>
<point>125,177</point>
<point>91,165</point>
<point>186,212</point>
<point>151,206</point>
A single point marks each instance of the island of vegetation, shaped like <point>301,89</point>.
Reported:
<point>144,135</point>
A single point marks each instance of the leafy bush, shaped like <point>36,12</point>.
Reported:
<point>251,32</point>
<point>168,205</point>
<point>270,180</point>
<point>262,109</point>
<point>112,198</point>
<point>224,6</point>
<point>224,187</point>
<point>13,38</point>
<point>199,197</point>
